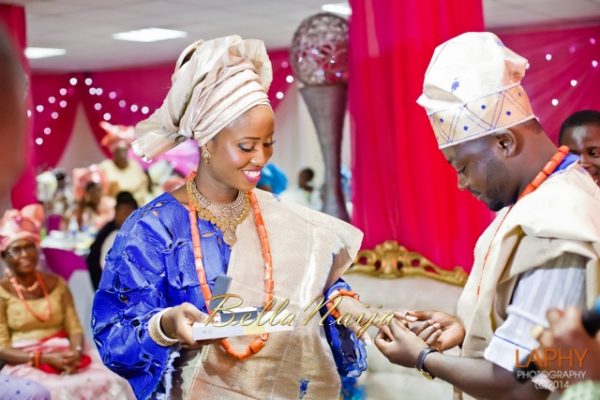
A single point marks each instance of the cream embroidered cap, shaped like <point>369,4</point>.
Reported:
<point>472,88</point>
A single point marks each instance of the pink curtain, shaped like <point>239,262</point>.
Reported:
<point>123,96</point>
<point>282,76</point>
<point>55,104</point>
<point>403,189</point>
<point>12,17</point>
<point>564,76</point>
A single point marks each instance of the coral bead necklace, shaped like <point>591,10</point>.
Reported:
<point>548,169</point>
<point>18,289</point>
<point>259,342</point>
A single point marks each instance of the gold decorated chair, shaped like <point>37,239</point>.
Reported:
<point>398,279</point>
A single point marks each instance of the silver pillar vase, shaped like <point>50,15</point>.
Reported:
<point>327,107</point>
<point>319,59</point>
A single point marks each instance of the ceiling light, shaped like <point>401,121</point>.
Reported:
<point>43,52</point>
<point>149,35</point>
<point>337,8</point>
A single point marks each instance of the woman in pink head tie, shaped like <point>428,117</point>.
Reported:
<point>121,172</point>
<point>40,335</point>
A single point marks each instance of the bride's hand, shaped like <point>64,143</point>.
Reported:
<point>177,323</point>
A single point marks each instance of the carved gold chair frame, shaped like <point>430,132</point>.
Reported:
<point>389,260</point>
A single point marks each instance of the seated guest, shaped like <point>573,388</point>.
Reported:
<point>157,174</point>
<point>93,209</point>
<point>40,335</point>
<point>122,173</point>
<point>21,389</point>
<point>63,196</point>
<point>305,193</point>
<point>126,204</point>
<point>45,188</point>
<point>60,200</point>
<point>581,133</point>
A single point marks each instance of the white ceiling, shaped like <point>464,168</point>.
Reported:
<point>85,27</point>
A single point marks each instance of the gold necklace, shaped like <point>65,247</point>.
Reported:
<point>226,217</point>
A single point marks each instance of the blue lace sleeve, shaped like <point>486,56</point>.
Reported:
<point>131,290</point>
<point>149,268</point>
<point>348,351</point>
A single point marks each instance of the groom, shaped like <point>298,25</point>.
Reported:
<point>541,251</point>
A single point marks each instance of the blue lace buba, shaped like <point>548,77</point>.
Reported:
<point>349,352</point>
<point>149,268</point>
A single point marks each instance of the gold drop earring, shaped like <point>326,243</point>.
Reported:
<point>206,156</point>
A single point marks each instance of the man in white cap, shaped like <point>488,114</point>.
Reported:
<point>541,251</point>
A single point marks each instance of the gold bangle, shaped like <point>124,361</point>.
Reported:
<point>156,333</point>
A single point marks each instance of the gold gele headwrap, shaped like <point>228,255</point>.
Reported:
<point>215,81</point>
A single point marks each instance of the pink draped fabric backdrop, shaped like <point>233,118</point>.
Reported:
<point>123,96</point>
<point>403,189</point>
<point>564,72</point>
<point>53,114</point>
